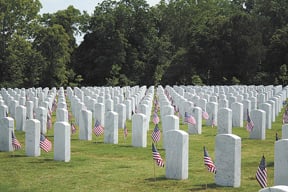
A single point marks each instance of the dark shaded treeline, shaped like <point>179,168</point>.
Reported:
<point>128,43</point>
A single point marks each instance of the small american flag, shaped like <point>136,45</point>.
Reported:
<point>157,157</point>
<point>155,118</point>
<point>205,115</point>
<point>45,144</point>
<point>15,143</point>
<point>156,134</point>
<point>261,173</point>
<point>98,129</point>
<point>125,131</point>
<point>73,128</point>
<point>189,119</point>
<point>54,105</point>
<point>250,123</point>
<point>49,121</point>
<point>208,162</point>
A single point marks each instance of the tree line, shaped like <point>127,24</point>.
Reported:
<point>128,42</point>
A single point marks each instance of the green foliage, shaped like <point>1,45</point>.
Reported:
<point>164,44</point>
<point>283,74</point>
<point>25,63</point>
<point>196,80</point>
<point>235,81</point>
<point>53,43</point>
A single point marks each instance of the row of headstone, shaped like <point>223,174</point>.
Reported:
<point>111,112</point>
<point>30,104</point>
<point>61,145</point>
<point>227,145</point>
<point>239,109</point>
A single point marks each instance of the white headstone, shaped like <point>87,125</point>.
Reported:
<point>32,138</point>
<point>99,113</point>
<point>281,162</point>
<point>29,110</point>
<point>62,115</point>
<point>139,132</point>
<point>121,110</point>
<point>259,130</point>
<point>3,111</point>
<point>177,153</point>
<point>170,122</point>
<point>228,160</point>
<point>12,107</point>
<point>277,188</point>
<point>20,118</point>
<point>128,109</point>
<point>212,110</point>
<point>224,121</point>
<point>237,114</point>
<point>109,105</point>
<point>85,125</point>
<point>285,131</point>
<point>111,127</point>
<point>6,128</point>
<point>62,149</point>
<point>196,112</point>
<point>267,108</point>
<point>41,115</point>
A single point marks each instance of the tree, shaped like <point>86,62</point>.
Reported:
<point>24,69</point>
<point>17,21</point>
<point>283,77</point>
<point>53,44</point>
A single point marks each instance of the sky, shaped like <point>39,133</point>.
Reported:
<point>52,6</point>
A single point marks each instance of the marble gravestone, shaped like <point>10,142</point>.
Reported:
<point>32,138</point>
<point>62,148</point>
<point>111,127</point>
<point>177,153</point>
<point>228,160</point>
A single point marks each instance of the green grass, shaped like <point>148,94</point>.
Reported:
<point>96,166</point>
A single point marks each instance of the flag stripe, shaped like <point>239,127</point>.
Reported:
<point>208,162</point>
<point>15,143</point>
<point>45,144</point>
<point>156,134</point>
<point>261,174</point>
<point>250,123</point>
<point>98,129</point>
<point>189,119</point>
<point>157,157</point>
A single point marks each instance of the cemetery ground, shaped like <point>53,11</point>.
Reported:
<point>96,166</point>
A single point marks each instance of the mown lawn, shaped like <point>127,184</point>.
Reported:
<point>96,166</point>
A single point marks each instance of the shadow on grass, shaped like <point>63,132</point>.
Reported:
<point>270,164</point>
<point>47,160</point>
<point>17,155</point>
<point>204,187</point>
<point>98,142</point>
<point>153,179</point>
<point>42,160</point>
<point>126,145</point>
